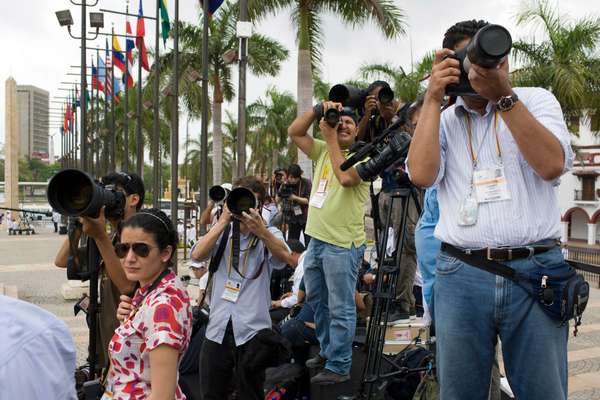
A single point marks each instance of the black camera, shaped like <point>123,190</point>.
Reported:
<point>74,193</point>
<point>241,200</point>
<point>388,148</point>
<point>286,190</point>
<point>218,193</point>
<point>349,96</point>
<point>488,48</point>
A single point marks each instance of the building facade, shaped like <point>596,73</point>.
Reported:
<point>579,192</point>
<point>33,110</point>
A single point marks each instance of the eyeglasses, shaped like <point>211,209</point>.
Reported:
<point>140,249</point>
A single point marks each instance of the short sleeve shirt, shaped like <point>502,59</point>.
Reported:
<point>163,316</point>
<point>340,221</point>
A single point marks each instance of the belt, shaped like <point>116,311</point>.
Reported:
<point>501,253</point>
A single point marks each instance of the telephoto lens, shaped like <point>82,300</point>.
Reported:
<point>489,46</point>
<point>241,200</point>
<point>74,193</point>
<point>386,95</point>
<point>217,193</point>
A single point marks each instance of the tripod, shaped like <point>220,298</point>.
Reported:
<point>385,288</point>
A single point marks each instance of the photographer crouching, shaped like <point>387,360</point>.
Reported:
<point>113,281</point>
<point>496,155</point>
<point>336,227</point>
<point>294,194</point>
<point>240,300</point>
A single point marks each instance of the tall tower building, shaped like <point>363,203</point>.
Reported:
<point>11,146</point>
<point>33,108</point>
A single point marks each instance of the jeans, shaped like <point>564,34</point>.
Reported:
<point>472,308</point>
<point>330,274</point>
<point>427,245</point>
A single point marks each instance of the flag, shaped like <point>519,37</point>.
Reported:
<point>96,84</point>
<point>66,120</point>
<point>213,5</point>
<point>117,90</point>
<point>140,32</point>
<point>108,85</point>
<point>101,74</point>
<point>73,109</point>
<point>164,21</point>
<point>77,99</point>
<point>117,57</point>
<point>130,46</point>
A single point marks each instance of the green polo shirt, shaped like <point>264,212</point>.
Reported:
<point>340,221</point>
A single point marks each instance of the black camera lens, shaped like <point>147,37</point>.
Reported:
<point>386,95</point>
<point>332,117</point>
<point>217,193</point>
<point>489,46</point>
<point>241,200</point>
<point>349,96</point>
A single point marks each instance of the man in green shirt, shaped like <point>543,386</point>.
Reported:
<point>336,225</point>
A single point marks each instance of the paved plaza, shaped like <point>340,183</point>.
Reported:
<point>27,262</point>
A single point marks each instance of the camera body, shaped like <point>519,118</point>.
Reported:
<point>286,190</point>
<point>385,153</point>
<point>488,48</point>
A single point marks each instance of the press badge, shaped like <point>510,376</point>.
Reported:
<point>108,395</point>
<point>318,199</point>
<point>297,210</point>
<point>490,185</point>
<point>232,290</point>
<point>467,213</point>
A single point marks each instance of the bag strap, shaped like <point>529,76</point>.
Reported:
<point>213,265</point>
<point>483,263</point>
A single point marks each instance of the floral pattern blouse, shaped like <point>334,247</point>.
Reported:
<point>163,316</point>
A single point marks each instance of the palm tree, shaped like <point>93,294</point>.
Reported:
<point>407,86</point>
<point>265,56</point>
<point>566,63</point>
<point>270,118</point>
<point>306,16</point>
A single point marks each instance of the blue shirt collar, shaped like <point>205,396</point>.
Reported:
<point>461,107</point>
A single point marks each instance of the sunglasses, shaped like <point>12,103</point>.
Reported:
<point>139,249</point>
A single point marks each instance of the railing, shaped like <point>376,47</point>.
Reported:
<point>586,261</point>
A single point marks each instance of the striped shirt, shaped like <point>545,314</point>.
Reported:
<point>532,213</point>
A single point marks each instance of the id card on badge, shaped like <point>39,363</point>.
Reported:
<point>297,210</point>
<point>318,199</point>
<point>108,395</point>
<point>232,290</point>
<point>490,185</point>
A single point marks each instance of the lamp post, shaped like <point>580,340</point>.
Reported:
<point>97,22</point>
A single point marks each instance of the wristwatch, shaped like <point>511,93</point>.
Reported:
<point>506,103</point>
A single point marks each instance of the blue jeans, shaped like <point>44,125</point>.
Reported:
<point>472,308</point>
<point>330,274</point>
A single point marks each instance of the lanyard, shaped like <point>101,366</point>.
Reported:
<point>251,244</point>
<point>474,155</point>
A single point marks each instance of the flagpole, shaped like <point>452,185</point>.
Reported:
<point>156,137</point>
<point>97,144</point>
<point>126,105</point>
<point>113,133</point>
<point>175,131</point>
<point>73,149</point>
<point>204,138</point>
<point>241,134</point>
<point>106,152</point>
<point>62,141</point>
<point>90,166</point>
<point>139,145</point>
<point>83,149</point>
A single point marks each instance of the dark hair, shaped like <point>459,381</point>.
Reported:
<point>461,31</point>
<point>156,223</point>
<point>130,183</point>
<point>296,246</point>
<point>294,171</point>
<point>254,184</point>
<point>377,84</point>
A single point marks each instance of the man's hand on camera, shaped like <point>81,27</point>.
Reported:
<point>370,105</point>
<point>125,308</point>
<point>225,217</point>
<point>444,72</point>
<point>94,227</point>
<point>491,83</point>
<point>253,220</point>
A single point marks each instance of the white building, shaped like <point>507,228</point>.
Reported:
<point>578,193</point>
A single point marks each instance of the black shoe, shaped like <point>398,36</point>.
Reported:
<point>398,317</point>
<point>316,362</point>
<point>327,377</point>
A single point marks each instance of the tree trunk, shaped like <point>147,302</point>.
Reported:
<point>305,99</point>
<point>217,144</point>
<point>274,160</point>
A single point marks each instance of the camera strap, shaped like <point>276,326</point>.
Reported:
<point>213,265</point>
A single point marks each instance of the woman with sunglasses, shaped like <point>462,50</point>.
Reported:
<point>146,348</point>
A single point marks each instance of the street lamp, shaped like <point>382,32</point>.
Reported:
<point>96,21</point>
